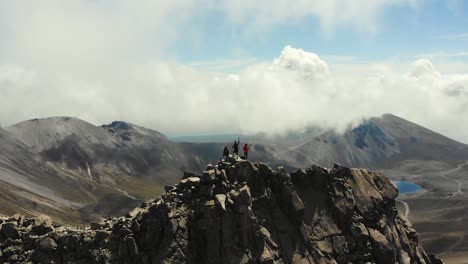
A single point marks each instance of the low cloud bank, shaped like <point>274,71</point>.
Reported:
<point>293,91</point>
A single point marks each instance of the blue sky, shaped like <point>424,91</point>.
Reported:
<point>207,30</point>
<point>432,27</point>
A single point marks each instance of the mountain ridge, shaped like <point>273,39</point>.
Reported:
<point>75,180</point>
<point>124,157</point>
<point>241,212</point>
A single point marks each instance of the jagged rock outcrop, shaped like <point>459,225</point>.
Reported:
<point>241,212</point>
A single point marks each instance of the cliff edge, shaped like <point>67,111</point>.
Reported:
<point>241,212</point>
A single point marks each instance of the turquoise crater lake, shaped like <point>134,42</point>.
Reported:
<point>406,187</point>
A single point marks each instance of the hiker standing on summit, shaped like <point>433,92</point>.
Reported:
<point>246,151</point>
<point>235,147</point>
<point>226,153</point>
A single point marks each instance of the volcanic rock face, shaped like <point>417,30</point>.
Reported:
<point>239,213</point>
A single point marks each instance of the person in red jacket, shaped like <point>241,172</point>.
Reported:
<point>246,151</point>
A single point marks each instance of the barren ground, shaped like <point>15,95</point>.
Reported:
<point>440,213</point>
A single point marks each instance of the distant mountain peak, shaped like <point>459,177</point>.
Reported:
<point>56,118</point>
<point>121,125</point>
<point>388,115</point>
<point>68,121</point>
<point>372,131</point>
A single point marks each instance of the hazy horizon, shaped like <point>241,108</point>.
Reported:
<point>224,136</point>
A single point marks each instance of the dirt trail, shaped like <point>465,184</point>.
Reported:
<point>125,193</point>
<point>444,175</point>
<point>294,149</point>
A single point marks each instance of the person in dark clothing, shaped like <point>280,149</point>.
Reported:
<point>226,152</point>
<point>246,149</point>
<point>235,147</point>
<point>336,166</point>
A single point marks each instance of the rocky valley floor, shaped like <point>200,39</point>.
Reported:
<point>439,213</point>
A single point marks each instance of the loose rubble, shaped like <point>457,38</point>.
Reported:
<point>242,212</point>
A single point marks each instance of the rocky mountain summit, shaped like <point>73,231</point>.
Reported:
<point>241,212</point>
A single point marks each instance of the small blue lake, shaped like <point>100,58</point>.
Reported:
<point>406,187</point>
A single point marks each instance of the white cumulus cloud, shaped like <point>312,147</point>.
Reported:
<point>423,68</point>
<point>273,97</point>
<point>308,64</point>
